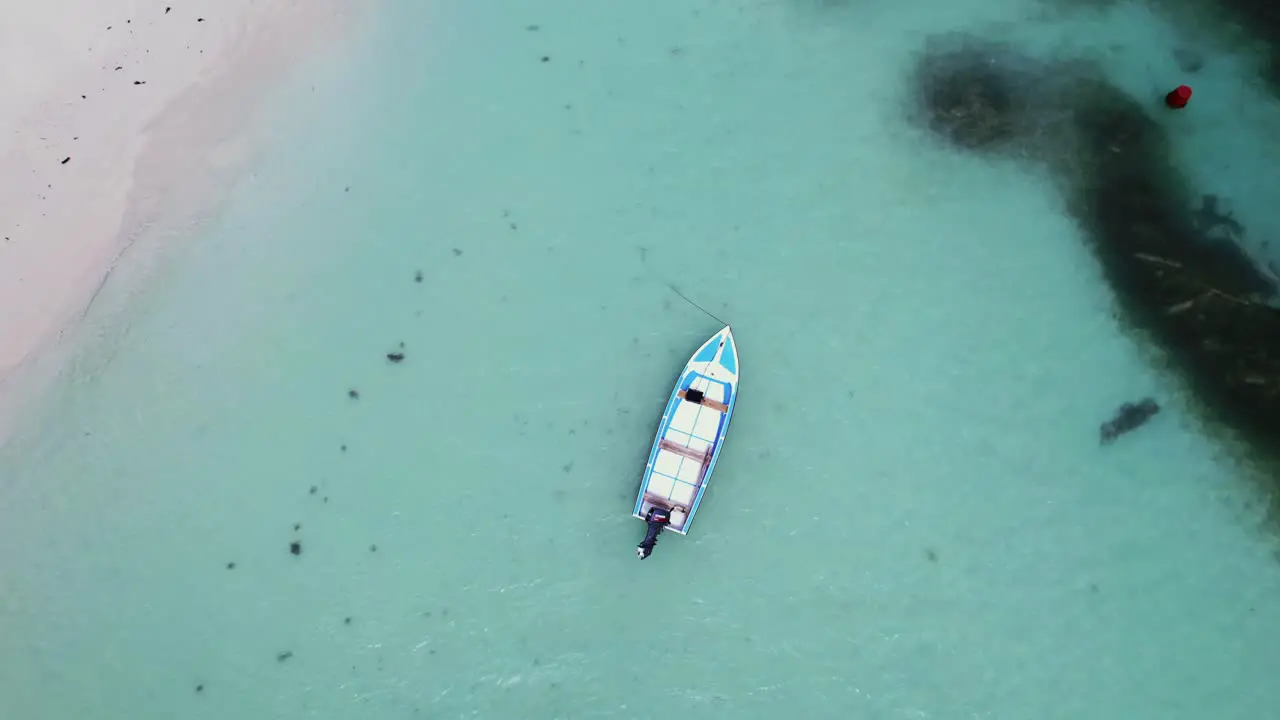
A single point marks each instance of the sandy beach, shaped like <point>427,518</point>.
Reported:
<point>121,118</point>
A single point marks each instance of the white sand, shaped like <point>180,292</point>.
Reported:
<point>151,107</point>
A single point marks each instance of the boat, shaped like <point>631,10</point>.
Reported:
<point>689,439</point>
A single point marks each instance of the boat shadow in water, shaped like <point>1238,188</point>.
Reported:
<point>1180,283</point>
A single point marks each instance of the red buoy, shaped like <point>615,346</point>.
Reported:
<point>1178,97</point>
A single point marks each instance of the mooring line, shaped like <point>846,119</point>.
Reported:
<point>684,297</point>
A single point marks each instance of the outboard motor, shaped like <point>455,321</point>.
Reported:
<point>658,519</point>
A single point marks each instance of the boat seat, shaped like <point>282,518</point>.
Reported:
<point>678,512</point>
<point>704,401</point>
<point>698,456</point>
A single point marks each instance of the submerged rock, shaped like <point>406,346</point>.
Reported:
<point>1213,220</point>
<point>1128,418</point>
<point>974,94</point>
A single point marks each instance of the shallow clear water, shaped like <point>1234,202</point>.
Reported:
<point>911,519</point>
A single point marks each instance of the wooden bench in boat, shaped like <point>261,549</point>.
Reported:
<point>704,401</point>
<point>679,513</point>
<point>698,456</point>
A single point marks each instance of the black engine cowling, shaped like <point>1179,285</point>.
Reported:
<point>658,519</point>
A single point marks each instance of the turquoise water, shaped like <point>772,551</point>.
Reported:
<point>911,518</point>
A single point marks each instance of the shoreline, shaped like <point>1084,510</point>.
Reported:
<point>140,131</point>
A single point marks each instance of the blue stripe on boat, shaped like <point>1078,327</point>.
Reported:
<point>730,358</point>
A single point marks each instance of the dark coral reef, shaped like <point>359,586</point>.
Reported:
<point>975,94</point>
<point>1169,256</point>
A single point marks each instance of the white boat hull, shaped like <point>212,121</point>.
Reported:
<point>691,433</point>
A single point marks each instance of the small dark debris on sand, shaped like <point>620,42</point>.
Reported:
<point>1129,417</point>
<point>295,547</point>
<point>285,655</point>
<point>66,160</point>
<point>395,357</point>
<point>139,82</point>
